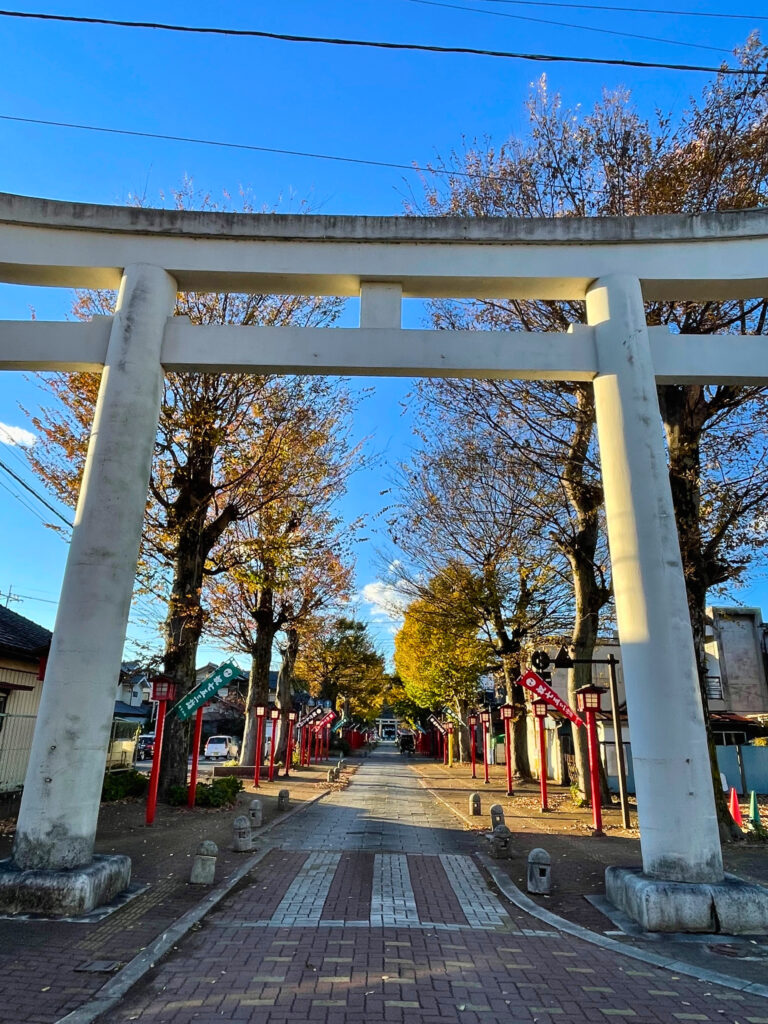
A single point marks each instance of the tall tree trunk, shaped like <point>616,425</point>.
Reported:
<point>589,591</point>
<point>284,698</point>
<point>258,680</point>
<point>684,412</point>
<point>183,627</point>
<point>463,730</point>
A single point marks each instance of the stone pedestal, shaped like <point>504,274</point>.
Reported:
<point>63,893</point>
<point>730,907</point>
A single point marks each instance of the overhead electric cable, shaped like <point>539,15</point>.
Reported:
<point>567,24</point>
<point>375,44</point>
<point>631,10</point>
<point>21,501</point>
<point>246,146</point>
<point>32,491</point>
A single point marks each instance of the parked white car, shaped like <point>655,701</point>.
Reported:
<point>221,747</point>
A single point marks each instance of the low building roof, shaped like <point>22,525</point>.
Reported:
<point>22,638</point>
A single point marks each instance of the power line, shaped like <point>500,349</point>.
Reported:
<point>32,491</point>
<point>567,24</point>
<point>631,10</point>
<point>416,168</point>
<point>375,44</point>
<point>21,501</point>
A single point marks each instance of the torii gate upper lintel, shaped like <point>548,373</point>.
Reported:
<point>614,264</point>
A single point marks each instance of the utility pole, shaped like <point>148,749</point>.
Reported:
<point>9,596</point>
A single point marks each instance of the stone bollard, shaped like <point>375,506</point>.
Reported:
<point>243,841</point>
<point>497,816</point>
<point>283,800</point>
<point>539,872</point>
<point>501,843</point>
<point>255,813</point>
<point>475,806</point>
<point>204,864</point>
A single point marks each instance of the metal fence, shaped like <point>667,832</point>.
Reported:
<point>15,743</point>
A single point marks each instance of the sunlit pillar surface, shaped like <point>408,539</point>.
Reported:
<point>60,805</point>
<point>676,810</point>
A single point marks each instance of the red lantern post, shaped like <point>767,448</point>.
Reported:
<point>485,718</point>
<point>588,698</point>
<point>472,723</point>
<point>163,691</point>
<point>274,716</point>
<point>540,711</point>
<point>289,744</point>
<point>260,713</point>
<point>192,791</point>
<point>507,713</point>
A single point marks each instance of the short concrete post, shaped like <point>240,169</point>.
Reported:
<point>255,813</point>
<point>501,843</point>
<point>475,805</point>
<point>539,872</point>
<point>242,840</point>
<point>497,816</point>
<point>283,800</point>
<point>204,864</point>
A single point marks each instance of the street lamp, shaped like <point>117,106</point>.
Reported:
<point>541,661</point>
<point>507,714</point>
<point>260,713</point>
<point>540,709</point>
<point>289,745</point>
<point>588,702</point>
<point>485,718</point>
<point>163,691</point>
<point>472,723</point>
<point>274,715</point>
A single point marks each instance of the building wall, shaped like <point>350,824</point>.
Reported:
<point>17,723</point>
<point>734,652</point>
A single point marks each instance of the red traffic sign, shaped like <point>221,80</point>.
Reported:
<point>537,685</point>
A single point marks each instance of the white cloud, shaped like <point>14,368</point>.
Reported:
<point>386,601</point>
<point>16,436</point>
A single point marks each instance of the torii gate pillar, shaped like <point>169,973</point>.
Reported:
<point>53,869</point>
<point>682,886</point>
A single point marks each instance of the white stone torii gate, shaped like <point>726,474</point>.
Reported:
<point>612,263</point>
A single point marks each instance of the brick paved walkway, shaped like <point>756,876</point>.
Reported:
<point>373,910</point>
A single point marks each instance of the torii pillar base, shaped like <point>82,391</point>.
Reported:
<point>68,892</point>
<point>730,907</point>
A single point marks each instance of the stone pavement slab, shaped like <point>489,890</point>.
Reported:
<point>380,958</point>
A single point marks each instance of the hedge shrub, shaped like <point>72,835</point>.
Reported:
<point>119,785</point>
<point>222,792</point>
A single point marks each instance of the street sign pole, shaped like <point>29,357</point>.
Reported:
<point>260,713</point>
<point>618,740</point>
<point>191,792</point>
<point>154,776</point>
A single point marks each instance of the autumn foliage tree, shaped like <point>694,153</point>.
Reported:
<point>471,525</point>
<point>225,450</point>
<point>339,663</point>
<point>291,564</point>
<point>441,659</point>
<point>610,161</point>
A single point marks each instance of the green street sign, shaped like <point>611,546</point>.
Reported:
<point>195,699</point>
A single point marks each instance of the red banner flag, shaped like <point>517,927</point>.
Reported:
<point>537,685</point>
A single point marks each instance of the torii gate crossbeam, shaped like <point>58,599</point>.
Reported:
<point>613,264</point>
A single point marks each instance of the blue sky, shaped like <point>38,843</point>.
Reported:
<point>379,105</point>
